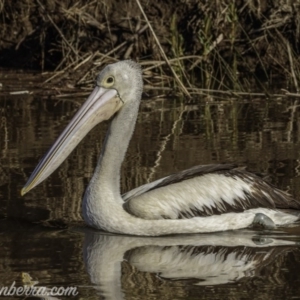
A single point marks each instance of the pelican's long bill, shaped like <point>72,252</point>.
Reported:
<point>100,106</point>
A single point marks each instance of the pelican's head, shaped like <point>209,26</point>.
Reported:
<point>117,85</point>
<point>125,77</point>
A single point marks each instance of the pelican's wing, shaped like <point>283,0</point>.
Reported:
<point>177,177</point>
<point>204,191</point>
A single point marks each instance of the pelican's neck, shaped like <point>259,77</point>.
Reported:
<point>107,174</point>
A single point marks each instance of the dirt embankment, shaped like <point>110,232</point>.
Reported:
<point>215,41</point>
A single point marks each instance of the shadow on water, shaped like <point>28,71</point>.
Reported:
<point>170,136</point>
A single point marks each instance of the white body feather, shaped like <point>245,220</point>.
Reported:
<point>104,212</point>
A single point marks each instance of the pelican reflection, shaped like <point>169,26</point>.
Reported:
<point>209,259</point>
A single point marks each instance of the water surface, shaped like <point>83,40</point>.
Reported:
<point>43,236</point>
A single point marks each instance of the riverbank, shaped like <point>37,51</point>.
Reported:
<point>216,45</point>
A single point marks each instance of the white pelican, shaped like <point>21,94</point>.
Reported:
<point>201,199</point>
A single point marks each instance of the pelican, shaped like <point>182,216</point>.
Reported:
<point>206,198</point>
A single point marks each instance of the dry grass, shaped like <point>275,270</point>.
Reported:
<point>188,47</point>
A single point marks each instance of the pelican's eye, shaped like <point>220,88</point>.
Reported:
<point>110,80</point>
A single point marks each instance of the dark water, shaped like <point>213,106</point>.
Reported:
<point>45,243</point>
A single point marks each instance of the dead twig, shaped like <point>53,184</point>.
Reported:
<point>59,31</point>
<point>162,51</point>
<point>292,66</point>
